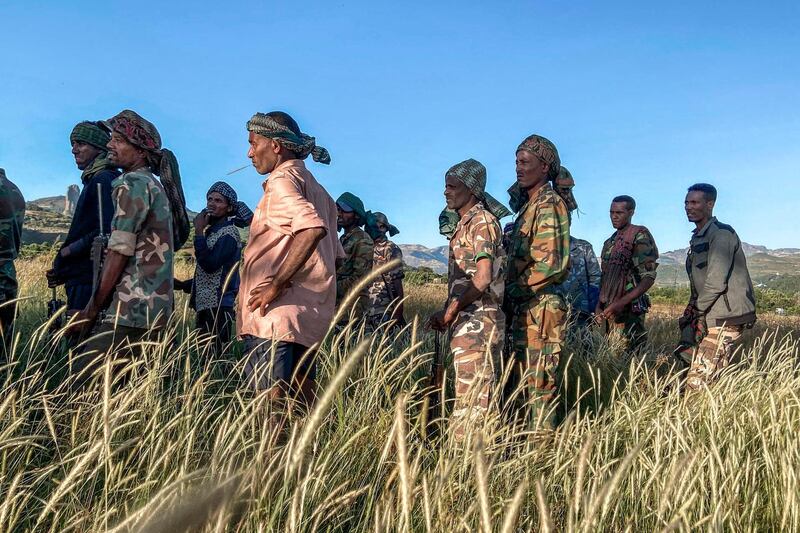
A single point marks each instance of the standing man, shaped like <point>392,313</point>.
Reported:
<point>537,265</point>
<point>582,286</point>
<point>388,289</point>
<point>12,215</point>
<point>358,250</point>
<point>629,262</point>
<point>722,301</point>
<point>137,276</point>
<point>72,266</point>
<point>288,278</point>
<point>473,311</point>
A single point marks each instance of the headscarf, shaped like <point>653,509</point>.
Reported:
<point>90,133</point>
<point>241,214</point>
<point>448,220</point>
<point>143,134</point>
<point>473,174</point>
<point>544,150</point>
<point>302,144</point>
<point>374,220</point>
<point>353,203</point>
<point>563,186</point>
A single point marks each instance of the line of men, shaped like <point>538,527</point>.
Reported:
<point>513,287</point>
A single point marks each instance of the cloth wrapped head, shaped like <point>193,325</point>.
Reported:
<point>563,186</point>
<point>349,203</point>
<point>241,215</point>
<point>473,174</point>
<point>298,142</point>
<point>90,133</point>
<point>144,135</point>
<point>378,225</point>
<point>448,220</point>
<point>544,150</point>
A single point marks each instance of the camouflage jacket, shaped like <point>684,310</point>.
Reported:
<point>379,290</point>
<point>142,230</point>
<point>538,256</point>
<point>12,215</point>
<point>582,286</point>
<point>357,263</point>
<point>477,235</point>
<point>644,257</point>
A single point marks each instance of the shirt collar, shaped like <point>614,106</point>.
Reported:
<point>702,231</point>
<point>474,210</point>
<point>291,163</point>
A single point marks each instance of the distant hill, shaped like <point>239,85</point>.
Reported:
<point>416,255</point>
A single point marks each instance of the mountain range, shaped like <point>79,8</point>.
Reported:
<point>44,222</point>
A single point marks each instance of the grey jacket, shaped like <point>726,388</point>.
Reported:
<point>720,282</point>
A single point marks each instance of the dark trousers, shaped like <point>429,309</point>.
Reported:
<point>269,363</point>
<point>8,310</point>
<point>78,296</point>
<point>121,342</point>
<point>218,323</point>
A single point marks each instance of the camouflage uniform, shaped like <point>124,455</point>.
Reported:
<point>538,261</point>
<point>12,214</point>
<point>380,292</point>
<point>476,338</point>
<point>357,263</point>
<point>629,324</point>
<point>582,286</point>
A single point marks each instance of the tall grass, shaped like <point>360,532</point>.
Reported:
<point>182,445</point>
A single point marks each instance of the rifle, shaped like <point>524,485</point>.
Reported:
<point>435,387</point>
<point>53,307</point>
<point>99,245</point>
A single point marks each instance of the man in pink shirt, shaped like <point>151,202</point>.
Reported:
<point>288,279</point>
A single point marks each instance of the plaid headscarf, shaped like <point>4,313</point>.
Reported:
<point>473,174</point>
<point>303,145</point>
<point>90,133</point>
<point>241,215</point>
<point>544,150</point>
<point>143,134</point>
<point>563,186</point>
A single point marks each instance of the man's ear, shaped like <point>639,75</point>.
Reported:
<point>711,203</point>
<point>276,146</point>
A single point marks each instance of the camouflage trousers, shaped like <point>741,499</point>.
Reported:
<point>628,331</point>
<point>476,344</point>
<point>711,356</point>
<point>537,335</point>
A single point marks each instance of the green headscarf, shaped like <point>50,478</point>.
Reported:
<point>90,133</point>
<point>353,202</point>
<point>473,174</point>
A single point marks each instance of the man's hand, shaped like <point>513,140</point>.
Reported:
<point>65,251</point>
<point>613,310</point>
<point>436,321</point>
<point>52,279</point>
<point>262,295</point>
<point>82,323</point>
<point>201,222</point>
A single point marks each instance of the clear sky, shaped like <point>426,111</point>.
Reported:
<point>641,98</point>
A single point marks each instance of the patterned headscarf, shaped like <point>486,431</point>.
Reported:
<point>544,150</point>
<point>374,220</point>
<point>448,220</point>
<point>473,174</point>
<point>303,145</point>
<point>241,215</point>
<point>143,134</point>
<point>90,133</point>
<point>563,186</point>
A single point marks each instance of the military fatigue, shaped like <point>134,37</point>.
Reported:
<point>629,324</point>
<point>142,230</point>
<point>537,266</point>
<point>476,336</point>
<point>582,286</point>
<point>712,355</point>
<point>357,263</point>
<point>12,215</point>
<point>380,292</point>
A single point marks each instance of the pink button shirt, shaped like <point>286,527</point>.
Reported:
<point>293,201</point>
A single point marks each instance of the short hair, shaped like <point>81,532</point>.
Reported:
<point>708,190</point>
<point>284,119</point>
<point>628,200</point>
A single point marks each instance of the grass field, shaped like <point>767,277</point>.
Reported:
<point>182,445</point>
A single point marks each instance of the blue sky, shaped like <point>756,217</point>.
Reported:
<point>640,98</point>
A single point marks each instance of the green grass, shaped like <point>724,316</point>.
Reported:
<point>183,445</point>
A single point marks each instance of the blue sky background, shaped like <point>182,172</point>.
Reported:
<point>640,98</point>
